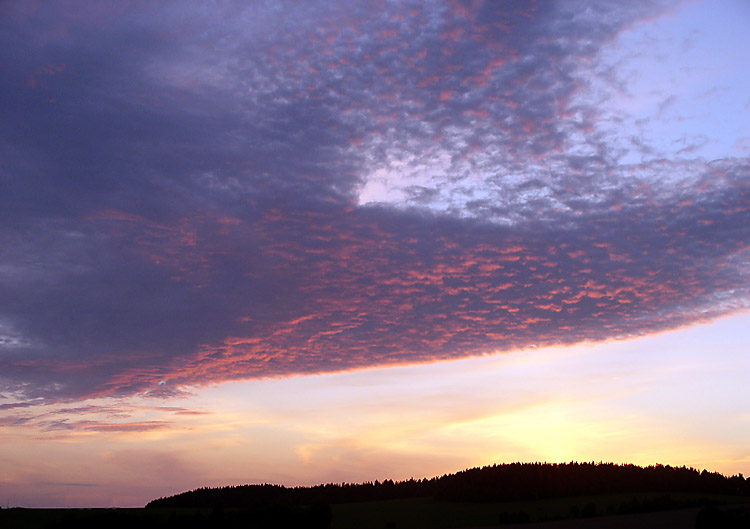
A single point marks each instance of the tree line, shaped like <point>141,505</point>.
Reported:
<point>495,483</point>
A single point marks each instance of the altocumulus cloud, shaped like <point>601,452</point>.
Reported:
<point>192,195</point>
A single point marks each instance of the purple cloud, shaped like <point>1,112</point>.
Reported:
<point>191,196</point>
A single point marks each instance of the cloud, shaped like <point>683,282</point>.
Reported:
<point>68,484</point>
<point>146,426</point>
<point>191,197</point>
<point>55,421</point>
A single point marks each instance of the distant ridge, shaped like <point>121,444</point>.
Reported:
<point>504,482</point>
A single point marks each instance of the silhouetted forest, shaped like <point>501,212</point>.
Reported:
<point>488,496</point>
<point>496,483</point>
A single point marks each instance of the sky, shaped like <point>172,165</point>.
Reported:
<point>294,243</point>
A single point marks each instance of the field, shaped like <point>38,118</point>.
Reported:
<point>424,513</point>
<point>418,513</point>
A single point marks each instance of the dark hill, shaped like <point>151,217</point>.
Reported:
<point>506,482</point>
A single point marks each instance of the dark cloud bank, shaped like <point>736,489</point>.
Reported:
<point>180,187</point>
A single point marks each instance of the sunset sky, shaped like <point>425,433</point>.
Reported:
<point>304,242</point>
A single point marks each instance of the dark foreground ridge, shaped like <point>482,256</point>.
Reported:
<point>496,483</point>
<point>509,496</point>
